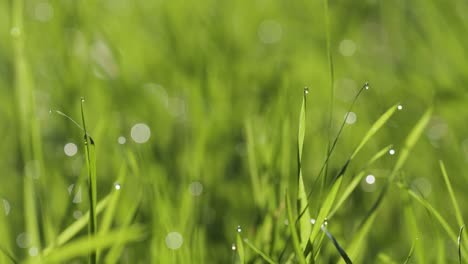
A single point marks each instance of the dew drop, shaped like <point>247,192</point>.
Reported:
<point>82,99</point>
<point>23,240</point>
<point>6,206</point>
<point>50,111</point>
<point>370,179</point>
<point>140,133</point>
<point>312,221</point>
<point>325,221</point>
<point>117,186</point>
<point>70,149</point>
<point>286,222</point>
<point>392,152</point>
<point>399,107</point>
<point>233,247</point>
<point>33,251</point>
<point>306,90</point>
<point>239,229</point>
<point>77,214</point>
<point>366,86</point>
<point>121,140</point>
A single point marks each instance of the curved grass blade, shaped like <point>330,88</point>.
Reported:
<point>292,228</point>
<point>91,164</point>
<point>259,252</point>
<point>459,245</point>
<point>337,245</point>
<point>87,245</point>
<point>385,259</point>
<point>302,201</point>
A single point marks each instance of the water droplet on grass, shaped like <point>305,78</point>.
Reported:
<point>70,149</point>
<point>121,140</point>
<point>239,229</point>
<point>312,221</point>
<point>399,107</point>
<point>82,99</point>
<point>6,206</point>
<point>370,179</point>
<point>140,133</point>
<point>366,86</point>
<point>233,247</point>
<point>23,240</point>
<point>33,251</point>
<point>392,152</point>
<point>306,90</point>
<point>117,186</point>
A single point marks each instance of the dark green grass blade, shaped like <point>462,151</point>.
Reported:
<point>342,252</point>
<point>91,164</point>
<point>8,254</point>
<point>459,245</point>
<point>302,202</point>
<point>259,252</point>
<point>87,245</point>
<point>292,228</point>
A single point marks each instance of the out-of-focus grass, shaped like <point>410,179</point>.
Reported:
<point>219,84</point>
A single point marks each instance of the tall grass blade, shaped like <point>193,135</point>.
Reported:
<point>302,201</point>
<point>8,254</point>
<point>253,170</point>
<point>292,228</point>
<point>259,252</point>
<point>91,164</point>
<point>342,252</point>
<point>410,254</point>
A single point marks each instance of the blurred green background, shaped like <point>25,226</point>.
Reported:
<point>201,75</point>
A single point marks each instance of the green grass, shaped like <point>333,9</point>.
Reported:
<point>234,139</point>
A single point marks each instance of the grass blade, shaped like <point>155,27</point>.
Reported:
<point>374,128</point>
<point>253,171</point>
<point>87,245</point>
<point>91,164</point>
<point>240,248</point>
<point>459,245</point>
<point>302,201</point>
<point>8,254</point>
<point>337,246</point>
<point>292,228</point>
<point>456,207</point>
<point>410,254</point>
<point>259,252</point>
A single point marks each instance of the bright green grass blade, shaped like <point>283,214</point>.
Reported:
<point>91,164</point>
<point>292,228</point>
<point>240,248</point>
<point>358,242</point>
<point>109,214</point>
<point>76,227</point>
<point>88,244</point>
<point>8,254</point>
<point>258,251</point>
<point>355,182</point>
<point>455,205</point>
<point>459,245</point>
<point>302,201</point>
<point>253,171</point>
<point>325,208</point>
<point>374,128</point>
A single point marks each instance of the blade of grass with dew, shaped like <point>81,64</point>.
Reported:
<point>302,201</point>
<point>459,245</point>
<point>456,207</point>
<point>240,248</point>
<point>410,141</point>
<point>253,171</point>
<point>76,226</point>
<point>292,228</point>
<point>340,250</point>
<point>259,252</point>
<point>365,226</point>
<point>91,164</point>
<point>354,183</point>
<point>86,245</point>
<point>109,213</point>
<point>383,119</point>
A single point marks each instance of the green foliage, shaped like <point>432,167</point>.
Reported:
<point>219,85</point>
